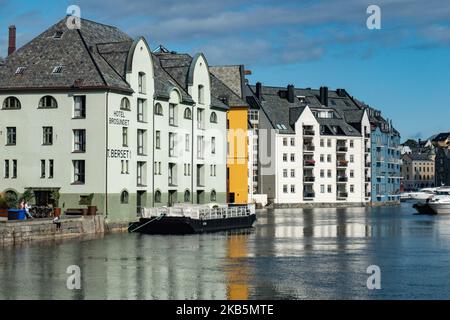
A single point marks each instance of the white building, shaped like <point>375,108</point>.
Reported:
<point>314,146</point>
<point>98,117</point>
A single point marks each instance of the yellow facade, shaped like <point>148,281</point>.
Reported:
<point>237,158</point>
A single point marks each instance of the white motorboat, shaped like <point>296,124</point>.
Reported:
<point>440,203</point>
<point>422,195</point>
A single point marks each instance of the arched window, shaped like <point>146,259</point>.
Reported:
<point>11,198</point>
<point>213,118</point>
<point>124,197</point>
<point>187,113</point>
<point>141,82</point>
<point>201,94</point>
<point>158,109</point>
<point>48,102</point>
<point>125,104</point>
<point>213,196</point>
<point>187,196</point>
<point>158,196</point>
<point>11,103</point>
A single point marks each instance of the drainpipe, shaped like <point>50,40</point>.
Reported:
<point>106,154</point>
<point>153,153</point>
<point>194,114</point>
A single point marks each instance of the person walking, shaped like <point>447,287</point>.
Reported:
<point>27,210</point>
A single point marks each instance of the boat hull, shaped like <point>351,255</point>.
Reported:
<point>424,208</point>
<point>187,225</point>
<point>440,208</point>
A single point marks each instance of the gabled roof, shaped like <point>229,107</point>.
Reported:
<point>283,114</point>
<point>91,57</point>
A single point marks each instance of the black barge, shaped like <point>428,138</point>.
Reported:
<point>185,220</point>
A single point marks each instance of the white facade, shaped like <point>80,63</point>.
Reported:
<point>120,164</point>
<point>315,168</point>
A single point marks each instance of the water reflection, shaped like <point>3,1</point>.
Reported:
<point>290,254</point>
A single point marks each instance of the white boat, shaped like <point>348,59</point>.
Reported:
<point>422,195</point>
<point>440,203</point>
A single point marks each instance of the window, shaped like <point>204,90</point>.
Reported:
<point>6,175</point>
<point>187,196</point>
<point>284,142</point>
<point>285,173</point>
<point>42,169</point>
<point>213,145</point>
<point>171,144</point>
<point>158,139</point>
<point>141,142</point>
<point>57,70</point>
<point>322,173</point>
<point>292,173</point>
<point>187,142</point>
<point>322,158</point>
<point>141,111</point>
<point>124,136</point>
<point>329,173</point>
<point>292,188</point>
<point>213,117</point>
<point>48,102</point>
<point>172,174</point>
<point>58,34</point>
<point>79,111</point>
<point>125,104</point>
<point>329,188</point>
<point>352,188</point>
<point>322,188</point>
<point>172,114</point>
<point>284,157</point>
<point>352,143</point>
<point>212,170</point>
<point>201,94</point>
<point>292,142</point>
<point>285,188</point>
<point>352,158</point>
<point>213,196</point>
<point>352,173</point>
<point>124,197</point>
<point>78,171</point>
<point>79,140</point>
<point>20,70</point>
<point>200,124</point>
<point>158,196</point>
<point>322,143</point>
<point>292,157</point>
<point>50,169</point>
<point>47,136</point>
<point>328,157</point>
<point>140,173</point>
<point>187,113</point>
<point>141,82</point>
<point>11,137</point>
<point>14,169</point>
<point>11,103</point>
<point>200,147</point>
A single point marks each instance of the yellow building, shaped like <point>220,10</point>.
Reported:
<point>237,157</point>
<point>227,85</point>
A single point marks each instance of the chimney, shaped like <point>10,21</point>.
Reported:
<point>324,96</point>
<point>258,90</point>
<point>290,93</point>
<point>12,40</point>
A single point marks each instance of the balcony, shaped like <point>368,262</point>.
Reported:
<point>309,195</point>
<point>367,164</point>
<point>308,132</point>
<point>380,159</point>
<point>342,163</point>
<point>342,179</point>
<point>309,179</point>
<point>341,149</point>
<point>308,148</point>
<point>309,163</point>
<point>367,150</point>
<point>342,195</point>
<point>367,179</point>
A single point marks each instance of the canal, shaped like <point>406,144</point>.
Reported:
<point>290,254</point>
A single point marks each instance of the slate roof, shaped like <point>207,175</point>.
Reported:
<point>441,136</point>
<point>375,118</point>
<point>232,76</point>
<point>79,52</point>
<point>282,113</point>
<point>177,66</point>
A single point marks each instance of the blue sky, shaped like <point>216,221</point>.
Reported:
<point>402,69</point>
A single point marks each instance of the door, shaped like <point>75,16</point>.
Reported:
<point>42,198</point>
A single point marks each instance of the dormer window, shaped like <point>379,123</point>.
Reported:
<point>201,94</point>
<point>20,70</point>
<point>141,82</point>
<point>57,70</point>
<point>58,34</point>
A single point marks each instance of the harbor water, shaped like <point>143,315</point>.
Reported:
<point>289,254</point>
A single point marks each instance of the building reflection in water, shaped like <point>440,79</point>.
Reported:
<point>237,271</point>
